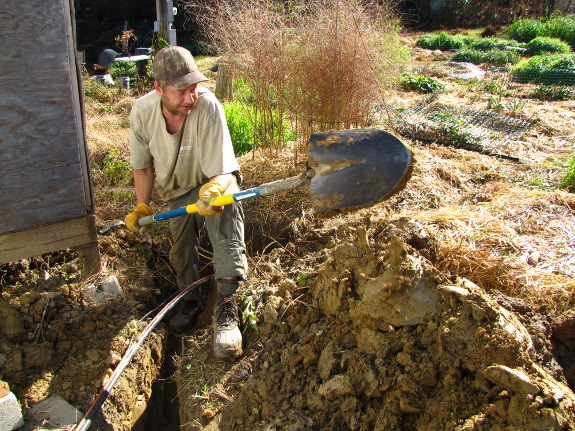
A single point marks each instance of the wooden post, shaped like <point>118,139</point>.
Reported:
<point>89,254</point>
<point>224,83</point>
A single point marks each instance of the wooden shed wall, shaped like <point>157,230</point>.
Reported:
<point>44,174</point>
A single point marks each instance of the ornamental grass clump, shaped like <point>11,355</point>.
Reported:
<point>525,30</point>
<point>441,41</point>
<point>493,56</point>
<point>559,27</point>
<point>321,64</point>
<point>491,43</point>
<point>543,45</point>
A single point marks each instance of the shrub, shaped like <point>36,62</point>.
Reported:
<point>542,45</point>
<point>493,56</point>
<point>441,41</point>
<point>524,30</point>
<point>423,84</point>
<point>313,61</point>
<point>123,68</point>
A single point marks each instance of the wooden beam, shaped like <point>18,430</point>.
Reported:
<point>75,233</point>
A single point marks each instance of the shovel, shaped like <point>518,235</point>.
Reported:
<point>346,169</point>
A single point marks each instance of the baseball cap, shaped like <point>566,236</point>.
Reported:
<point>177,67</point>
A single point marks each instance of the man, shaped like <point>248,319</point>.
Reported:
<point>180,141</point>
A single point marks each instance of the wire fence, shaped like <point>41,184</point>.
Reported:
<point>489,130</point>
<point>474,129</point>
<point>564,77</point>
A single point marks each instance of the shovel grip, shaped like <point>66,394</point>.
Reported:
<point>263,190</point>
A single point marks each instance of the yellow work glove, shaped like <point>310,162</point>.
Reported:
<point>208,192</point>
<point>131,220</point>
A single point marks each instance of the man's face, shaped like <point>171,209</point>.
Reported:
<point>178,101</point>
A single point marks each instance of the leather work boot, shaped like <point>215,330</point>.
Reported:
<point>185,320</point>
<point>227,335</point>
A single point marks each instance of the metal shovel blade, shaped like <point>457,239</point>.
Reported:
<point>356,168</point>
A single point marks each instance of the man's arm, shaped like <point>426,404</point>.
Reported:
<point>144,182</point>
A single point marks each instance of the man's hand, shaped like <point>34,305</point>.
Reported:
<point>131,219</point>
<point>208,192</point>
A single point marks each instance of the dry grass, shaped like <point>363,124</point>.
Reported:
<point>497,234</point>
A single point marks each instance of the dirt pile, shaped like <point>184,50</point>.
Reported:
<point>382,340</point>
<point>55,339</point>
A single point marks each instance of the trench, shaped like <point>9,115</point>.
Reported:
<point>162,411</point>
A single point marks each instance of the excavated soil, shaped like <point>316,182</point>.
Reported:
<point>447,307</point>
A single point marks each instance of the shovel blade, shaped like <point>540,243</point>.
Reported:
<point>356,168</point>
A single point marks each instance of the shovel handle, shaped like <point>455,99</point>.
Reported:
<point>262,190</point>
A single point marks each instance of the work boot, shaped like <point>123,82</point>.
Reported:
<point>185,320</point>
<point>227,335</point>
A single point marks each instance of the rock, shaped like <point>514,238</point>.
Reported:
<point>336,387</point>
<point>512,379</point>
<point>11,326</point>
<point>270,314</point>
<point>56,411</point>
<point>10,413</point>
<point>107,288</point>
<point>534,258</point>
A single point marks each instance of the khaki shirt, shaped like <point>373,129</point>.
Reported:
<point>201,150</point>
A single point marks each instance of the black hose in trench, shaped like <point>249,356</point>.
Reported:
<point>86,420</point>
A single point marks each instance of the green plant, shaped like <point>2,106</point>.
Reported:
<point>493,56</point>
<point>249,314</point>
<point>240,127</point>
<point>554,92</point>
<point>568,181</point>
<point>123,68</point>
<point>252,120</point>
<point>441,41</point>
<point>423,84</point>
<point>542,45</point>
<point>560,27</point>
<point>515,106</point>
<point>303,280</point>
<point>122,197</point>
<point>116,171</point>
<point>495,103</point>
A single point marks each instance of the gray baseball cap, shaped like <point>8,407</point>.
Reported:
<point>177,67</point>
